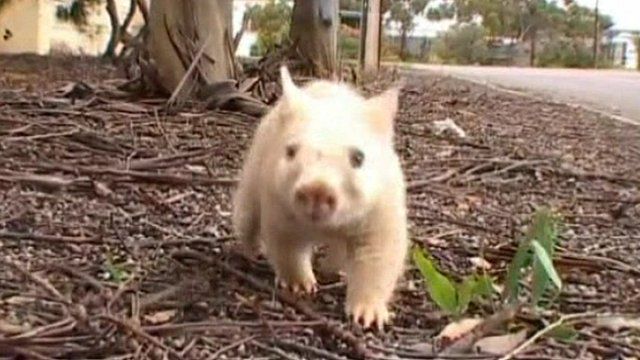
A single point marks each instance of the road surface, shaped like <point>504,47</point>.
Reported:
<point>615,92</point>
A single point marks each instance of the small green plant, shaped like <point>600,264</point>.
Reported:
<point>535,252</point>
<point>565,333</point>
<point>116,272</point>
<point>452,297</point>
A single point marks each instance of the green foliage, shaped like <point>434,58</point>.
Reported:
<point>352,5</point>
<point>117,272</point>
<point>565,52</point>
<point>453,298</point>
<point>441,12</point>
<point>356,5</point>
<point>272,22</point>
<point>564,333</point>
<point>531,20</point>
<point>523,18</point>
<point>349,47</point>
<point>404,12</point>
<point>579,21</point>
<point>439,287</point>
<point>499,17</point>
<point>520,261</point>
<point>463,44</point>
<point>543,271</point>
<point>534,252</point>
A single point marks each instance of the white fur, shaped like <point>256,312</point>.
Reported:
<point>367,232</point>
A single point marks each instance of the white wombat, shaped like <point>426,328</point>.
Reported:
<point>322,170</point>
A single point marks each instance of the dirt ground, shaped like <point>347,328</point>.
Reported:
<point>115,223</point>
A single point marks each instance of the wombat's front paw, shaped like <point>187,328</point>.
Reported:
<point>368,313</point>
<point>300,284</point>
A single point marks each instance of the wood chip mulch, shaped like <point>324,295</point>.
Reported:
<point>115,222</point>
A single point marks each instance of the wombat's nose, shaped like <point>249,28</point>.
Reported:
<point>319,197</point>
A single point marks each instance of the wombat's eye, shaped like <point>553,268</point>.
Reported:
<point>291,151</point>
<point>356,157</point>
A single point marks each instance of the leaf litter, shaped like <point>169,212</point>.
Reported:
<point>107,183</point>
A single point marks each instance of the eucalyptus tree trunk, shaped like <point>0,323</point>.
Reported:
<point>314,31</point>
<point>190,37</point>
<point>114,39</point>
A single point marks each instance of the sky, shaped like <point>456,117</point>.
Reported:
<point>625,13</point>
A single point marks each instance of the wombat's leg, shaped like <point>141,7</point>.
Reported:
<point>291,259</point>
<point>336,257</point>
<point>246,215</point>
<point>375,264</point>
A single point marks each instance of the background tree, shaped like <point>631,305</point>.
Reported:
<point>403,12</point>
<point>314,33</point>
<point>189,51</point>
<point>351,5</point>
<point>579,21</point>
<point>463,44</point>
<point>79,11</point>
<point>189,43</point>
<point>272,21</point>
<point>525,20</point>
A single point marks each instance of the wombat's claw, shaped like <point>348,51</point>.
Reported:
<point>369,314</point>
<point>299,288</point>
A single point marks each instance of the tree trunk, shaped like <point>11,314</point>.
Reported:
<point>112,10</point>
<point>144,10</point>
<point>190,36</point>
<point>125,37</point>
<point>370,61</point>
<point>532,54</point>
<point>314,31</point>
<point>596,36</point>
<point>403,44</point>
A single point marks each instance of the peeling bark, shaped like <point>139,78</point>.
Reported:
<point>179,30</point>
<point>314,31</point>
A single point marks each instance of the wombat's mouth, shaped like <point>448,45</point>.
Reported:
<point>316,202</point>
<point>317,215</point>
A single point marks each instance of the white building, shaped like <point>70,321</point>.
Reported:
<point>623,47</point>
<point>249,37</point>
<point>31,26</point>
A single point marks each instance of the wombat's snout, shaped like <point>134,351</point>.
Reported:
<point>318,200</point>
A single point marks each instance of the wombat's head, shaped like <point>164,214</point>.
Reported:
<point>336,152</point>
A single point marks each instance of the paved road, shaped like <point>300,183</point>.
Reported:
<point>616,92</point>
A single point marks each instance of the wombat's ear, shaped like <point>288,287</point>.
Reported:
<point>292,95</point>
<point>288,87</point>
<point>382,109</point>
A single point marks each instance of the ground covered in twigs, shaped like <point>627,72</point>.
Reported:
<point>114,223</point>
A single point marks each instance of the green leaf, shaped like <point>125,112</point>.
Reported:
<point>483,286</point>
<point>117,272</point>
<point>540,282</point>
<point>547,264</point>
<point>520,260</point>
<point>439,287</point>
<point>564,332</point>
<point>465,293</point>
<point>543,232</point>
